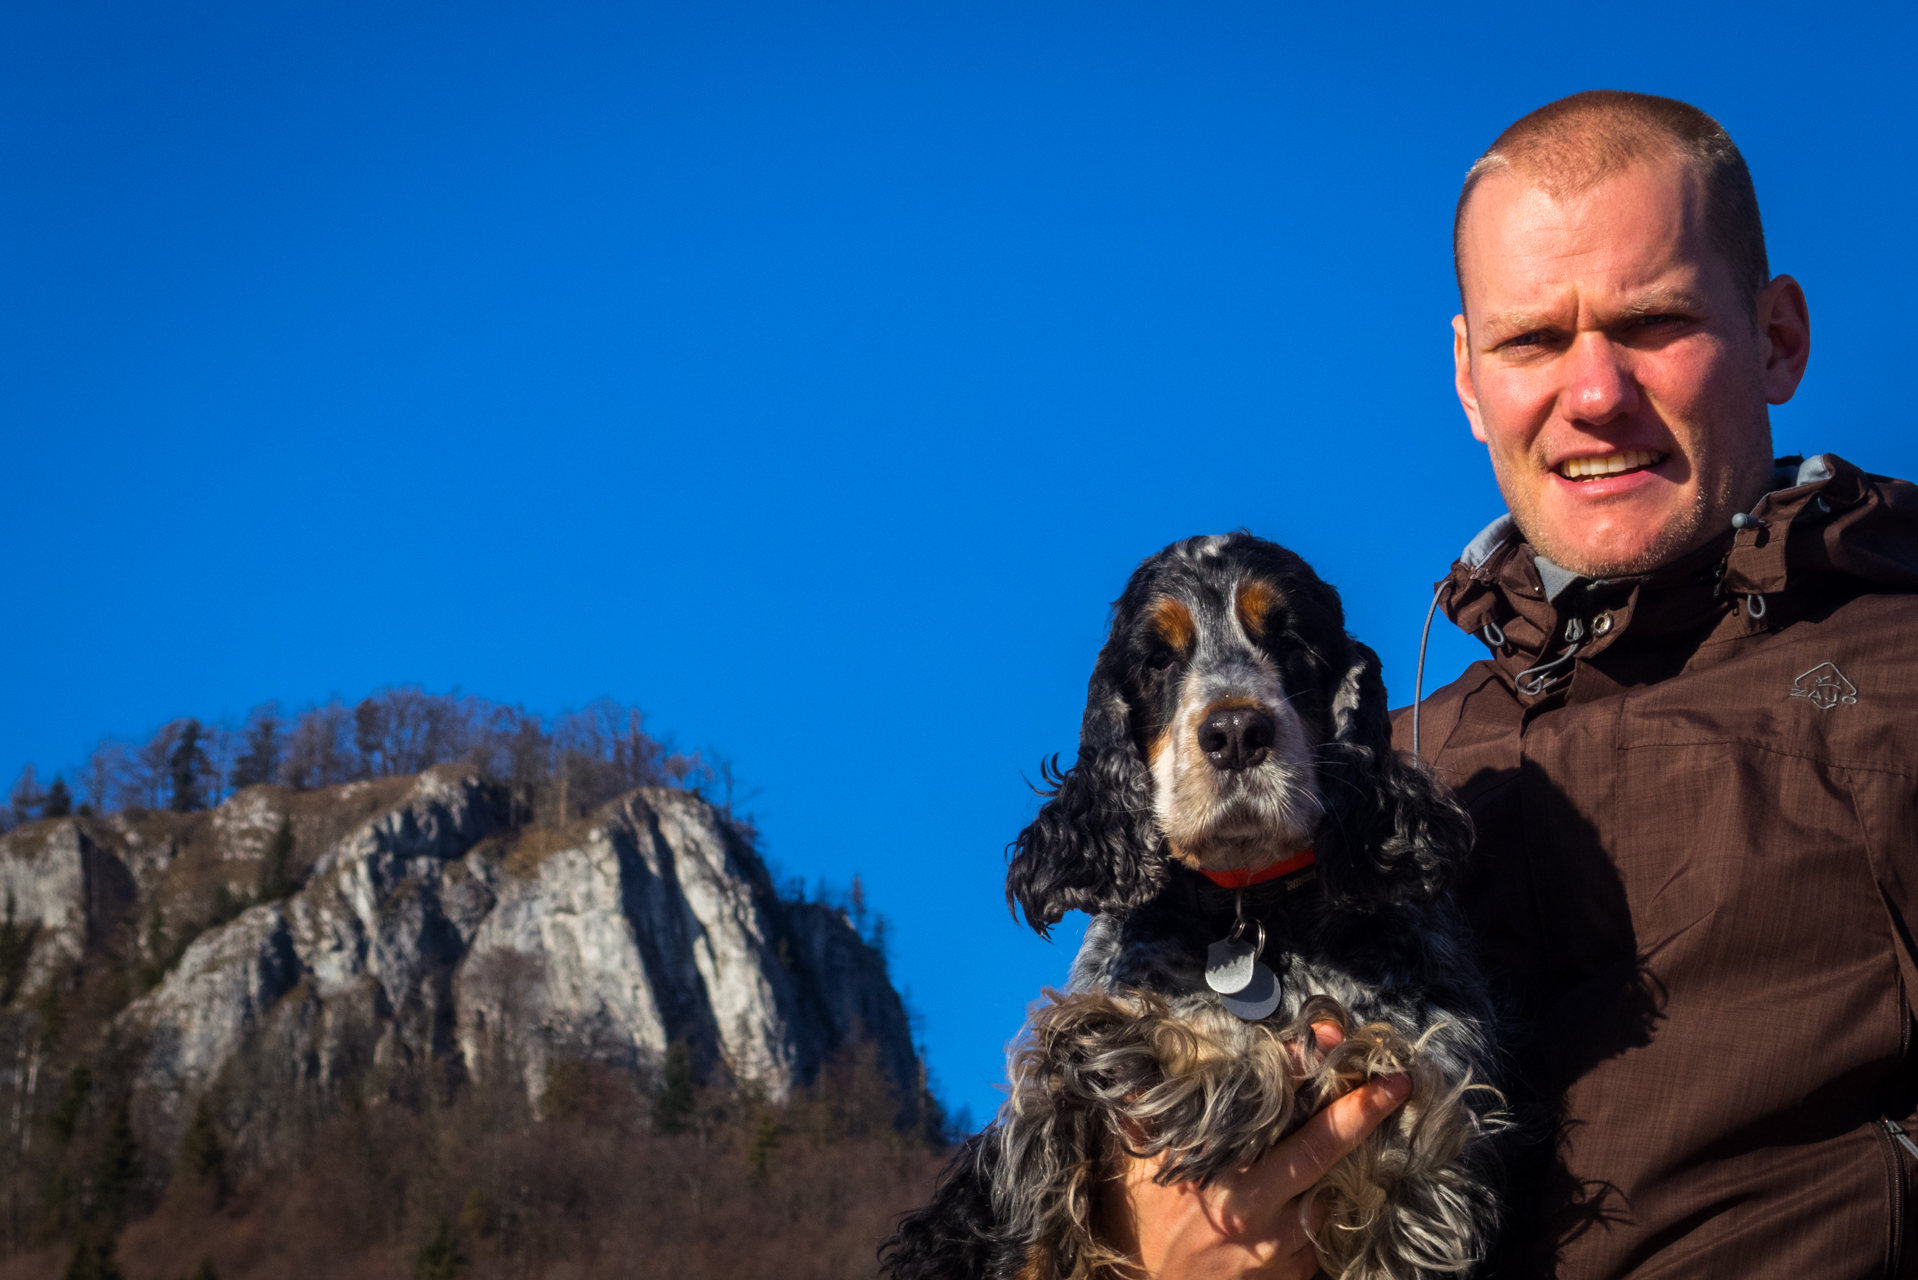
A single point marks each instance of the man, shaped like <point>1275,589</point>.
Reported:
<point>1692,753</point>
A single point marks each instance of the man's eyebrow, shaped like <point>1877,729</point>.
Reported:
<point>1655,302</point>
<point>1511,323</point>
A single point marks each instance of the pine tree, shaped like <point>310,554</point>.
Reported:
<point>260,762</point>
<point>476,1215</point>
<point>276,881</point>
<point>759,1157</point>
<point>59,800</point>
<point>673,1104</point>
<point>119,1167</point>
<point>25,797</point>
<point>224,905</point>
<point>439,1258</point>
<point>66,1116</point>
<point>93,1258</point>
<point>187,768</point>
<point>14,942</point>
<point>201,1154</point>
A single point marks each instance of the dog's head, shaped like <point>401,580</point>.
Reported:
<point>1231,723</point>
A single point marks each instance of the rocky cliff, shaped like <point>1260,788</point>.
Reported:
<point>414,936</point>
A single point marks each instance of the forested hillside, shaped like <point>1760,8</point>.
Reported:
<point>432,987</point>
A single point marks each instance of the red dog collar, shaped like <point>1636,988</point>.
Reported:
<point>1245,878</point>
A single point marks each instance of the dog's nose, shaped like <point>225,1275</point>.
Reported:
<point>1237,738</point>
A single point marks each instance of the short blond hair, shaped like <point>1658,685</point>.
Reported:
<point>1570,145</point>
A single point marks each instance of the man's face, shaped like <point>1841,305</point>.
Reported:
<point>1610,365</point>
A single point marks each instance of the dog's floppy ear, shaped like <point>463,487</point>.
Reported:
<point>1094,844</point>
<point>1391,833</point>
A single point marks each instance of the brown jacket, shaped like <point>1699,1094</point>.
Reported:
<point>1696,882</point>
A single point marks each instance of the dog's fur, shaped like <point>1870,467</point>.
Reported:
<point>1140,1058</point>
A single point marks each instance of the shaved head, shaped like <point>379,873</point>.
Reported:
<point>1567,147</point>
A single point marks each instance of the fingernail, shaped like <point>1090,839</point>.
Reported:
<point>1397,1088</point>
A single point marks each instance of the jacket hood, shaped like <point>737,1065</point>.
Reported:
<point>1827,526</point>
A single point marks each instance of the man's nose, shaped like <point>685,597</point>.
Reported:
<point>1599,387</point>
<point>1237,737</point>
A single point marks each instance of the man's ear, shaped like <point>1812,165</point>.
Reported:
<point>1094,844</point>
<point>1391,832</point>
<point>1784,337</point>
<point>1462,376</point>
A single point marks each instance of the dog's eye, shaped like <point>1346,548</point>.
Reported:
<point>1160,659</point>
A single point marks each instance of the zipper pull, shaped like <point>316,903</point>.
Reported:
<point>1903,1139</point>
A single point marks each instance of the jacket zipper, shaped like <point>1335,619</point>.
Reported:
<point>1891,1132</point>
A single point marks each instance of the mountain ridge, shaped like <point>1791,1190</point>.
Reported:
<point>424,936</point>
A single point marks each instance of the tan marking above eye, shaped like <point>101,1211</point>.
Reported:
<point>1255,601</point>
<point>1173,621</point>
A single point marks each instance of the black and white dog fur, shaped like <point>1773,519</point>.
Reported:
<point>1232,724</point>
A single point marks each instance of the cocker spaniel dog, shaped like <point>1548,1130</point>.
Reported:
<point>1256,858</point>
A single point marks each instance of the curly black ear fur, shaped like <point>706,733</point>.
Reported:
<point>1392,833</point>
<point>1093,845</point>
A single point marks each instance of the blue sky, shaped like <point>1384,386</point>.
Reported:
<point>810,374</point>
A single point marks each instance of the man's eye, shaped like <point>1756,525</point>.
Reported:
<point>1538,339</point>
<point>1646,322</point>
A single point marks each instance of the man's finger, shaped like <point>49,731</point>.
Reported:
<point>1331,1135</point>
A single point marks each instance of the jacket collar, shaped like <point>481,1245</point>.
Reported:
<point>1826,518</point>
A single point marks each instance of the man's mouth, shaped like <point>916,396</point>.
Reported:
<point>1612,464</point>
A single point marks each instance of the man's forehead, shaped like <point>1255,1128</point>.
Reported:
<point>1628,238</point>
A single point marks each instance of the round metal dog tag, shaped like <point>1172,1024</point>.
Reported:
<point>1228,965</point>
<point>1258,998</point>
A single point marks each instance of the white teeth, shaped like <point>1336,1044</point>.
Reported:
<point>1609,465</point>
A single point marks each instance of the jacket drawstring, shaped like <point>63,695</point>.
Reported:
<point>1754,603</point>
<point>1537,681</point>
<point>1487,544</point>
<point>1418,678</point>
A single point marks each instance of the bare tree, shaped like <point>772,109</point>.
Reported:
<point>143,784</point>
<point>222,745</point>
<point>553,770</point>
<point>404,730</point>
<point>102,778</point>
<point>319,752</point>
<point>731,792</point>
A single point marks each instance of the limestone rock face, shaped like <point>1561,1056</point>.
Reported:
<point>43,891</point>
<point>228,980</point>
<point>654,924</point>
<point>426,934</point>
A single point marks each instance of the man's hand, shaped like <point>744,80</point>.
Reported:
<point>1247,1223</point>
